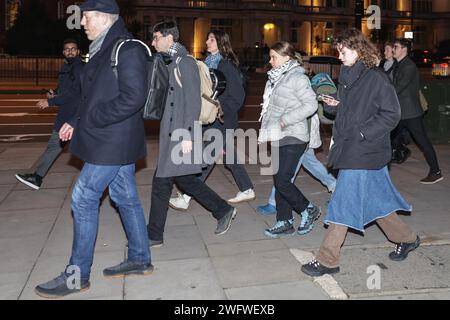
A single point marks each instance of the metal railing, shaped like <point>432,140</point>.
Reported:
<point>29,69</point>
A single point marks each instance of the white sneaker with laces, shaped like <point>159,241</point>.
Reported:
<point>181,202</point>
<point>243,196</point>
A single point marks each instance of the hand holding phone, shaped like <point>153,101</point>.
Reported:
<point>329,100</point>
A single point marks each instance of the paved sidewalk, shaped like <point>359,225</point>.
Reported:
<point>36,237</point>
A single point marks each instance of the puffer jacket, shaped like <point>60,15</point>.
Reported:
<point>291,102</point>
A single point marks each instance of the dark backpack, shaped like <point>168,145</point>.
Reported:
<point>157,79</point>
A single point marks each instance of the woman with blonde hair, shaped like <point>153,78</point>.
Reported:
<point>288,103</point>
<point>367,109</point>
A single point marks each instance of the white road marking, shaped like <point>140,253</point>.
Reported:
<point>327,282</point>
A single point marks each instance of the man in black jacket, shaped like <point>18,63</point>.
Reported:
<point>67,98</point>
<point>406,83</point>
<point>108,135</point>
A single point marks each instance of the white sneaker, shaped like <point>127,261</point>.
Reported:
<point>181,202</point>
<point>243,196</point>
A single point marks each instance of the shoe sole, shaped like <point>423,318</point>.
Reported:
<point>178,208</point>
<point>151,246</point>
<point>435,181</point>
<point>156,245</point>
<point>49,296</point>
<point>240,201</point>
<point>277,236</point>
<point>27,183</point>
<point>131,273</point>
<point>312,274</point>
<point>229,224</point>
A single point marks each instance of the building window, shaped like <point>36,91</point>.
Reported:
<point>61,10</point>
<point>341,4</point>
<point>11,12</point>
<point>422,6</point>
<point>294,31</point>
<point>226,25</point>
<point>148,28</point>
<point>388,4</point>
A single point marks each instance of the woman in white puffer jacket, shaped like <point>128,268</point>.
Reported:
<point>288,102</point>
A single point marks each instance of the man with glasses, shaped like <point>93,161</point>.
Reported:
<point>66,97</point>
<point>406,83</point>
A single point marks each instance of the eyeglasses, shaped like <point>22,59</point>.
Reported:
<point>70,49</point>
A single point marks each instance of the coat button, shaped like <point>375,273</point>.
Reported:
<point>189,129</point>
<point>170,119</point>
<point>170,134</point>
<point>171,88</point>
<point>171,104</point>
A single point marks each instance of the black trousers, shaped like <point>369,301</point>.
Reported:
<point>416,128</point>
<point>287,195</point>
<point>190,184</point>
<point>238,171</point>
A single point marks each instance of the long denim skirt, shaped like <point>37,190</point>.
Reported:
<point>362,196</point>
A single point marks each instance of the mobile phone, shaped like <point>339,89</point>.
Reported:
<point>322,96</point>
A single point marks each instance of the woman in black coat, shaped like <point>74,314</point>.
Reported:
<point>367,109</point>
<point>222,58</point>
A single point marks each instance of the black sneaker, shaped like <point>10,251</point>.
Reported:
<point>32,180</point>
<point>432,177</point>
<point>281,228</point>
<point>225,222</point>
<point>155,243</point>
<point>315,269</point>
<point>60,286</point>
<point>128,268</point>
<point>402,249</point>
<point>308,216</point>
<point>403,155</point>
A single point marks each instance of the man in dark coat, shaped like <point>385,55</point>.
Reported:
<point>67,98</point>
<point>406,83</point>
<point>108,135</point>
<point>181,115</point>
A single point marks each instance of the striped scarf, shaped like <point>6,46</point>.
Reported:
<point>173,50</point>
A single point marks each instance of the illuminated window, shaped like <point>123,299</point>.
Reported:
<point>11,12</point>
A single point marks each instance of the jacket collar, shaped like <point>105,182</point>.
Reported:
<point>117,30</point>
<point>350,75</point>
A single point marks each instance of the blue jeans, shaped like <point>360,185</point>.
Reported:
<point>315,167</point>
<point>86,195</point>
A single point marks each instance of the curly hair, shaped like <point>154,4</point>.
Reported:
<point>355,40</point>
<point>224,46</point>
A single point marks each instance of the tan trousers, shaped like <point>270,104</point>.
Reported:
<point>395,229</point>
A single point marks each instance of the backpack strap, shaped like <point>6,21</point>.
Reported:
<point>116,48</point>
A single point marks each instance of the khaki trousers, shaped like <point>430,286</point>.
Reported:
<point>395,229</point>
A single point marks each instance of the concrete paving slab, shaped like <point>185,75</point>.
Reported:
<point>11,284</point>
<point>20,224</point>
<point>426,267</point>
<point>50,267</point>
<point>233,248</point>
<point>4,191</point>
<point>180,242</point>
<point>7,178</point>
<point>190,279</point>
<point>33,199</point>
<point>414,296</point>
<point>245,227</point>
<point>257,268</point>
<point>52,181</point>
<point>296,290</point>
<point>20,158</point>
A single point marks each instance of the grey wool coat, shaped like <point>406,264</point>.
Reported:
<point>181,111</point>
